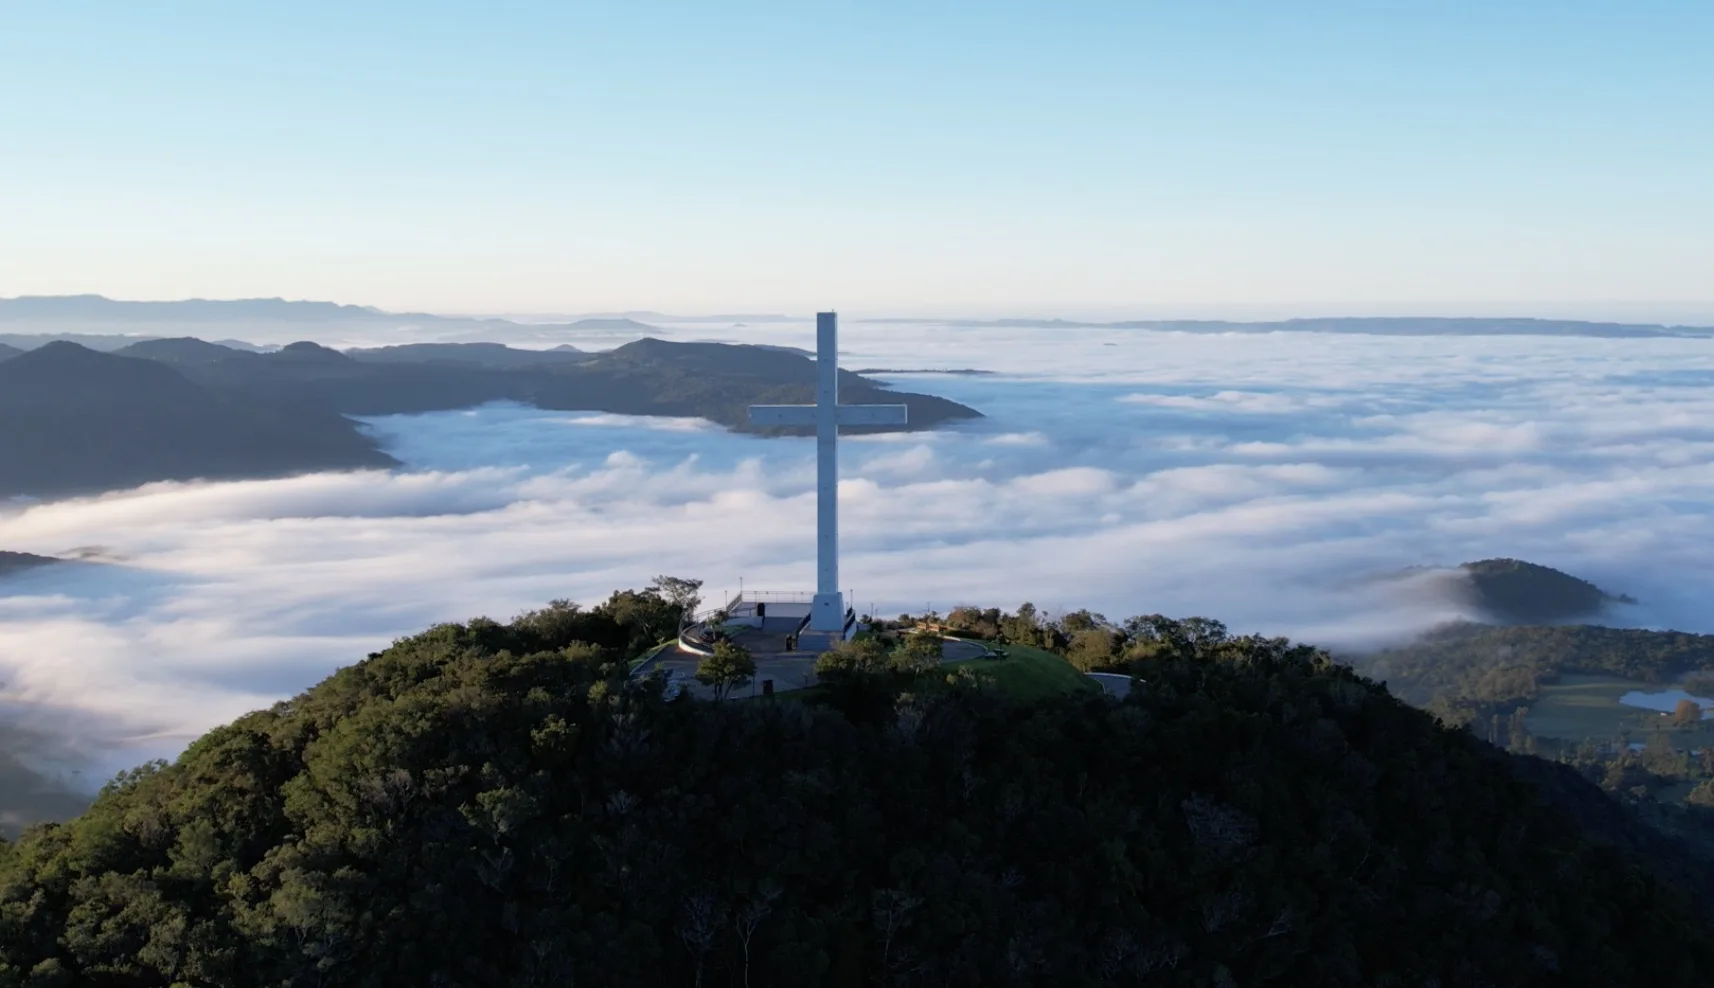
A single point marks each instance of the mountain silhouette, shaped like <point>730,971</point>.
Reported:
<point>35,308</point>
<point>181,350</point>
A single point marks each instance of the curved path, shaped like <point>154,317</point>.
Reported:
<point>958,650</point>
<point>1115,684</point>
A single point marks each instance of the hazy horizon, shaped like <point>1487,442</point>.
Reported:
<point>1655,313</point>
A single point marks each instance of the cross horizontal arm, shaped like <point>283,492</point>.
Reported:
<point>782,414</point>
<point>873,414</point>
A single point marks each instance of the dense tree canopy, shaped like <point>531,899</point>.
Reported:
<point>488,804</point>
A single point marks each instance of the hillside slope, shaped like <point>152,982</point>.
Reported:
<point>475,806</point>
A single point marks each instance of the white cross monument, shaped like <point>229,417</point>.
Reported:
<point>827,415</point>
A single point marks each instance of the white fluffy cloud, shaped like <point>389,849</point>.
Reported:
<point>1258,479</point>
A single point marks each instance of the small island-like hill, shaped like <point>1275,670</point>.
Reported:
<point>1516,592</point>
<point>181,408</point>
<point>17,562</point>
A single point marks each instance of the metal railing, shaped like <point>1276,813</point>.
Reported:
<point>688,642</point>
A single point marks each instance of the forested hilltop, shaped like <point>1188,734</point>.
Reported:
<point>501,804</point>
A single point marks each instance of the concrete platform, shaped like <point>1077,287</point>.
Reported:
<point>790,669</point>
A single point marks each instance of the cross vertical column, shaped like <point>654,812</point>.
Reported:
<point>828,611</point>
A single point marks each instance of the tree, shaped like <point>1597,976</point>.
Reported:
<point>1183,636</point>
<point>679,593</point>
<point>647,617</point>
<point>920,652</point>
<point>1662,758</point>
<point>1688,713</point>
<point>858,677</point>
<point>851,660</point>
<point>749,918</point>
<point>699,920</point>
<point>972,621</point>
<point>729,666</point>
<point>1022,628</point>
<point>1082,620</point>
<point>1091,649</point>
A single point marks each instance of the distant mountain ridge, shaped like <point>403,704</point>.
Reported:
<point>1362,325</point>
<point>89,315</point>
<point>99,307</point>
<point>479,354</point>
<point>29,321</point>
<point>620,323</point>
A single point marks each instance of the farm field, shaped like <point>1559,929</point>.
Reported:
<point>1579,707</point>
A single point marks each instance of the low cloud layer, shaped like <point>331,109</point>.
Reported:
<point>1257,479</point>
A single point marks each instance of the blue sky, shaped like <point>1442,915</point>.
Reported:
<point>926,157</point>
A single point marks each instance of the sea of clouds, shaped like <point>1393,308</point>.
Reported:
<point>1266,480</point>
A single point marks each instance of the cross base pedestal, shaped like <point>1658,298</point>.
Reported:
<point>827,613</point>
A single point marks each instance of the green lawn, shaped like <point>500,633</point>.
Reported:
<point>1029,673</point>
<point>1579,707</point>
<point>1026,673</point>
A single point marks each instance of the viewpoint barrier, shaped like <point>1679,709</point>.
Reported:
<point>689,642</point>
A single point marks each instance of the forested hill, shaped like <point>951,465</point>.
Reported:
<point>490,804</point>
<point>74,420</point>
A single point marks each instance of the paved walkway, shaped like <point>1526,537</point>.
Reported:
<point>1115,684</point>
